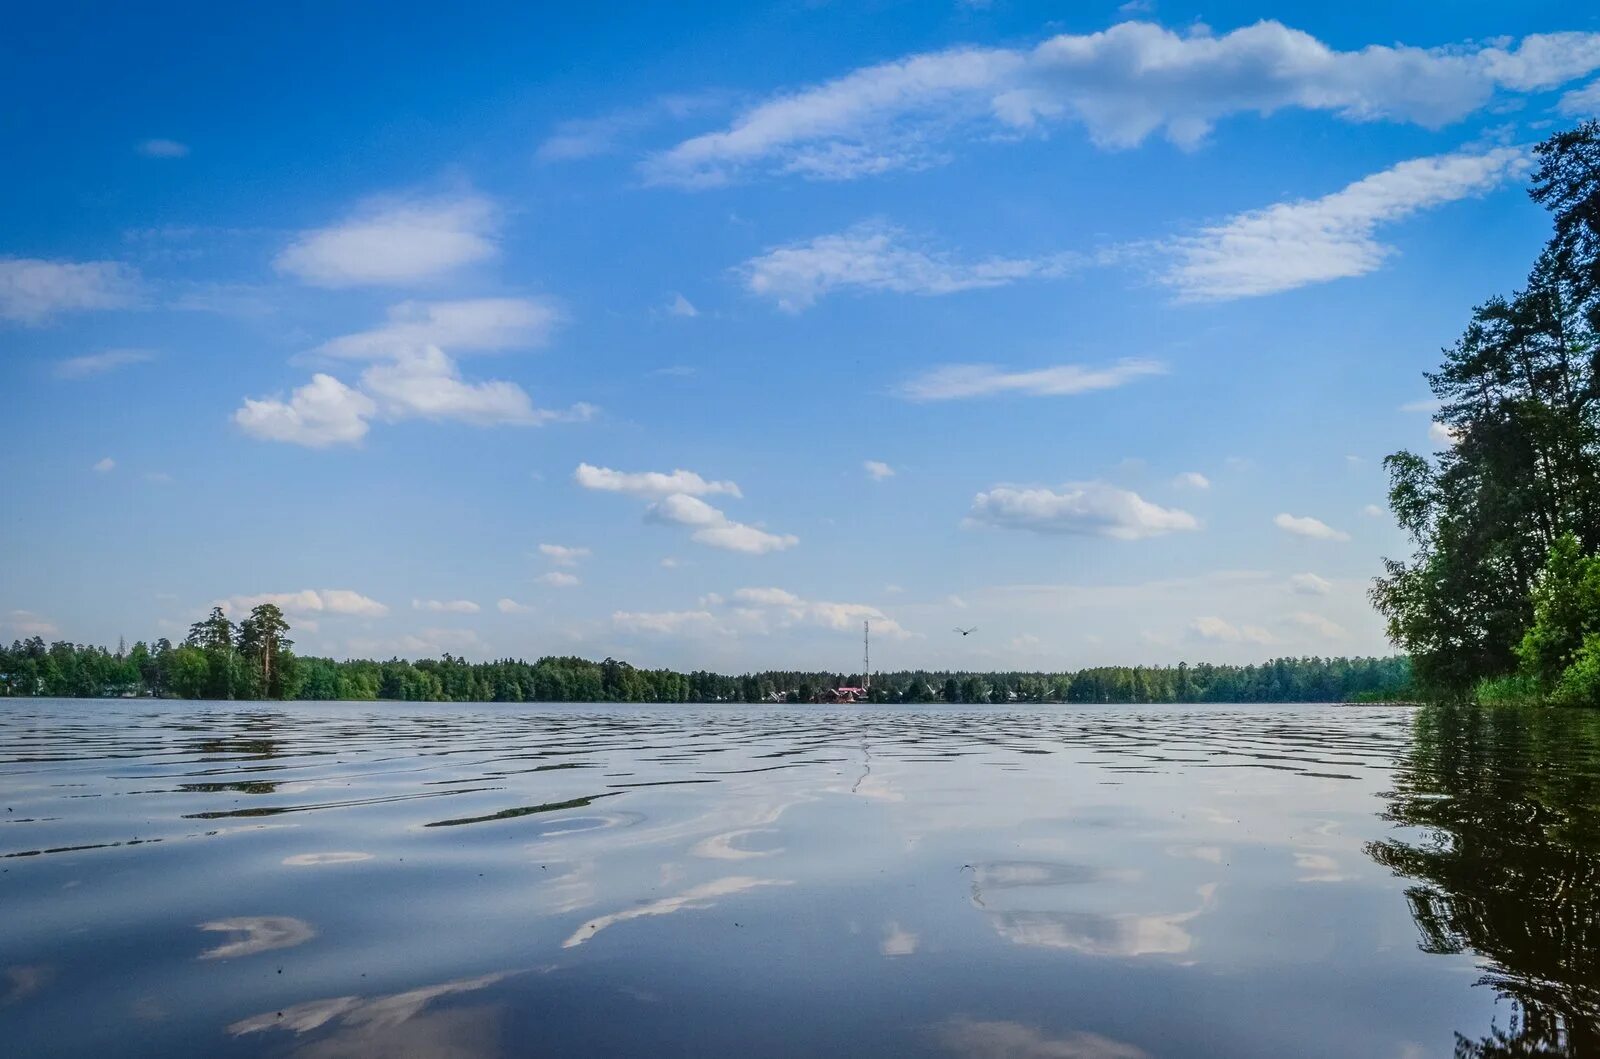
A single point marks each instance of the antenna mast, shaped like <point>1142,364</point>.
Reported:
<point>866,656</point>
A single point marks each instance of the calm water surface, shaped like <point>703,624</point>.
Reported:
<point>1115,883</point>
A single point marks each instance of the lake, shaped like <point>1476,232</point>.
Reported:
<point>463,880</point>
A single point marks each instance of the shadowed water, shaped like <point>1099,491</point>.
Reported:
<point>481,880</point>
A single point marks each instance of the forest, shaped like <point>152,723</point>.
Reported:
<point>253,659</point>
<point>1500,599</point>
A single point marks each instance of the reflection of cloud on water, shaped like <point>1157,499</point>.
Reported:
<point>696,897</point>
<point>897,941</point>
<point>392,1025</point>
<point>1319,867</point>
<point>308,860</point>
<point>721,847</point>
<point>1120,934</point>
<point>23,980</point>
<point>261,934</point>
<point>1016,1040</point>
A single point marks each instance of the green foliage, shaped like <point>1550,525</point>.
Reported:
<point>1519,392</point>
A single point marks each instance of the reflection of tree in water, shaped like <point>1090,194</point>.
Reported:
<point>1508,863</point>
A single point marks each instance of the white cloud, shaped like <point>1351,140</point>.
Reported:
<point>1081,508</point>
<point>32,290</point>
<point>446,606</point>
<point>428,385</point>
<point>1581,102</point>
<point>310,601</point>
<point>104,465</point>
<point>682,306</point>
<point>1122,85</point>
<point>1316,623</point>
<point>667,623</point>
<point>1373,511</point>
<point>159,148</point>
<point>511,606</point>
<point>713,528</point>
<point>983,380</point>
<point>1294,244</point>
<point>322,412</point>
<point>1429,405</point>
<point>764,609</point>
<point>650,483</point>
<point>877,470</point>
<point>1192,480</point>
<point>557,579</point>
<point>469,325</point>
<point>100,363</point>
<point>877,257</point>
<point>1443,435</point>
<point>562,555</point>
<point>1310,585</point>
<point>1219,631</point>
<point>1306,526</point>
<point>394,242</point>
<point>25,623</point>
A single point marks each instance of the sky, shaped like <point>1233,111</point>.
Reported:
<point>697,336</point>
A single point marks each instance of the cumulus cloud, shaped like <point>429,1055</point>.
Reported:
<point>1217,630</point>
<point>322,412</point>
<point>471,325</point>
<point>558,579</point>
<point>1306,526</point>
<point>26,623</point>
<point>511,606</point>
<point>1319,625</point>
<point>877,470</point>
<point>412,377</point>
<point>1310,585</point>
<point>394,242</point>
<point>562,555</point>
<point>160,148</point>
<point>445,606</point>
<point>1373,511</point>
<point>1581,102</point>
<point>100,363</point>
<point>681,306</point>
<point>1079,508</point>
<point>879,257</point>
<point>665,623</point>
<point>428,385</point>
<point>310,601</point>
<point>32,290</point>
<point>983,380</point>
<point>1192,480</point>
<point>763,609</point>
<point>650,483</point>
<point>713,528</point>
<point>104,465</point>
<point>1443,435</point>
<point>1122,85</point>
<point>1294,244</point>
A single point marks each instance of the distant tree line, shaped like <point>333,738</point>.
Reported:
<point>253,660</point>
<point>1500,599</point>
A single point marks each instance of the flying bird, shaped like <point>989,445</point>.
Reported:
<point>966,632</point>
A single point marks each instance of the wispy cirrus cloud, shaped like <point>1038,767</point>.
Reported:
<point>100,363</point>
<point>1122,85</point>
<point>879,257</point>
<point>33,290</point>
<point>394,242</point>
<point>1094,509</point>
<point>163,148</point>
<point>955,381</point>
<point>1295,244</point>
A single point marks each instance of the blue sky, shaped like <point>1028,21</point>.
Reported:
<point>697,339</point>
